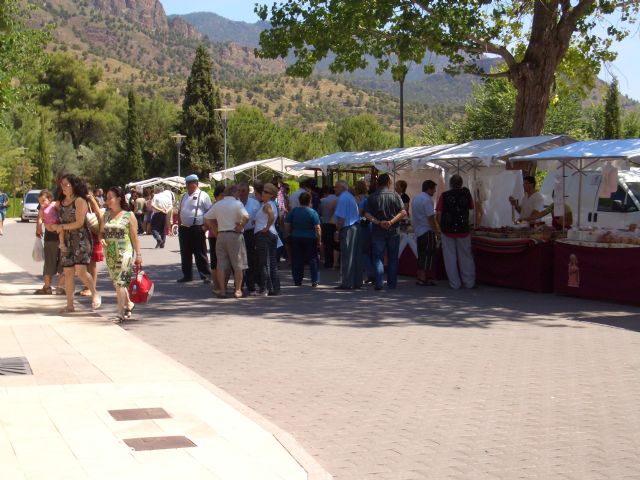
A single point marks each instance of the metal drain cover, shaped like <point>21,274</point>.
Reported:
<point>15,366</point>
<point>159,443</point>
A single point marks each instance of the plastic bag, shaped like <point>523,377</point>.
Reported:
<point>38,250</point>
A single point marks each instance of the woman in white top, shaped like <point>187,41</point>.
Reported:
<point>266,238</point>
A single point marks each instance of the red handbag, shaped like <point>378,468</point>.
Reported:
<point>141,287</point>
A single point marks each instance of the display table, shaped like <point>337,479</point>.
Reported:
<point>407,259</point>
<point>519,263</point>
<point>603,272</point>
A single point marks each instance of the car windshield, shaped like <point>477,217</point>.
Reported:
<point>635,189</point>
<point>31,198</point>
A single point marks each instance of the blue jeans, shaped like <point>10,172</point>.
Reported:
<point>304,250</point>
<point>390,242</point>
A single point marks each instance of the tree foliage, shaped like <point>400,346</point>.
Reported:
<point>133,162</point>
<point>22,55</point>
<point>490,111</point>
<point>361,133</point>
<point>200,122</point>
<point>83,111</point>
<point>44,173</point>
<point>612,124</point>
<point>532,38</point>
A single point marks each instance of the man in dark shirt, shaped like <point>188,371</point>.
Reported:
<point>385,210</point>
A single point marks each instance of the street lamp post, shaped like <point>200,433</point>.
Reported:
<point>224,118</point>
<point>179,138</point>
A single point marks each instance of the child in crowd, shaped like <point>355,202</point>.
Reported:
<point>53,242</point>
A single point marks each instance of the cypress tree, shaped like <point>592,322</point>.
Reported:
<point>134,160</point>
<point>44,175</point>
<point>200,122</point>
<point>612,128</point>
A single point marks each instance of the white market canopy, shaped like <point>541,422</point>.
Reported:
<point>582,156</point>
<point>486,153</point>
<point>177,183</point>
<point>385,160</point>
<point>592,151</point>
<point>282,165</point>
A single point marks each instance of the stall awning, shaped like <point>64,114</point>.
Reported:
<point>490,152</point>
<point>386,160</point>
<point>176,182</point>
<point>281,165</point>
<point>627,151</point>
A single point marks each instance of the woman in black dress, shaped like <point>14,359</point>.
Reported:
<point>78,241</point>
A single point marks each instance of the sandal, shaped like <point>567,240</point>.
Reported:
<point>420,283</point>
<point>43,291</point>
<point>118,319</point>
<point>67,310</point>
<point>95,304</point>
<point>60,291</point>
<point>237,294</point>
<point>128,312</point>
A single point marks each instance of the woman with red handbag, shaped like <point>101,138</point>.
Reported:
<point>119,237</point>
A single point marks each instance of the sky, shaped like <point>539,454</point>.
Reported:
<point>626,67</point>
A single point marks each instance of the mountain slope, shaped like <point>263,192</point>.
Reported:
<point>141,48</point>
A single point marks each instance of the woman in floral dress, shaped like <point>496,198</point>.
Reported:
<point>78,244</point>
<point>119,237</point>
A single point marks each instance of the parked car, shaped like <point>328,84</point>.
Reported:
<point>618,211</point>
<point>30,206</point>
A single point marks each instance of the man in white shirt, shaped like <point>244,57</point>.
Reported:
<point>423,217</point>
<point>228,218</point>
<point>532,204</point>
<point>192,208</point>
<point>306,186</point>
<point>252,206</point>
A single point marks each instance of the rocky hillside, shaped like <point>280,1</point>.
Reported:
<point>138,46</point>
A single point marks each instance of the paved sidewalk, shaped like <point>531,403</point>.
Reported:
<point>55,424</point>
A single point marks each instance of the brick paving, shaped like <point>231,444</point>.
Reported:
<point>419,383</point>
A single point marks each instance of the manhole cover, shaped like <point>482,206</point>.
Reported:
<point>158,443</point>
<point>15,366</point>
<point>139,414</point>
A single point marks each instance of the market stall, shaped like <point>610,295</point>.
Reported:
<point>594,261</point>
<point>506,256</point>
<point>281,165</point>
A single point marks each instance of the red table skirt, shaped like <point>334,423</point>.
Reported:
<point>408,264</point>
<point>523,265</point>
<point>611,274</point>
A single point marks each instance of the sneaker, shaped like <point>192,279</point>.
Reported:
<point>314,284</point>
<point>253,293</point>
<point>184,280</point>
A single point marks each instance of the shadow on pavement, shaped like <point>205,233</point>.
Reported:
<point>408,305</point>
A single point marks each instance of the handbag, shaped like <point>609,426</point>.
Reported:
<point>141,287</point>
<point>92,221</point>
<point>38,250</point>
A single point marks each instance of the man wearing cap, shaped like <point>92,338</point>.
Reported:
<point>193,205</point>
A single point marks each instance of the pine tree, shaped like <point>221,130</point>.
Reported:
<point>44,174</point>
<point>200,122</point>
<point>612,127</point>
<point>134,160</point>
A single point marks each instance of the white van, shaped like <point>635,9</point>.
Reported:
<point>618,211</point>
<point>30,206</point>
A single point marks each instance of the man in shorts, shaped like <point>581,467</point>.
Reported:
<point>228,218</point>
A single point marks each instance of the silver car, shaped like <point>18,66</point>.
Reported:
<point>30,206</point>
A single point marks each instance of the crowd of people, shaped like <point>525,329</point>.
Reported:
<point>355,229</point>
<point>245,231</point>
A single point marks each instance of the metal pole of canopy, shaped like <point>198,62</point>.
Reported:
<point>579,193</point>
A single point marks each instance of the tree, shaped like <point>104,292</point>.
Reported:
<point>490,112</point>
<point>83,111</point>
<point>22,55</point>
<point>363,132</point>
<point>612,124</point>
<point>200,122</point>
<point>44,173</point>
<point>534,40</point>
<point>134,164</point>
